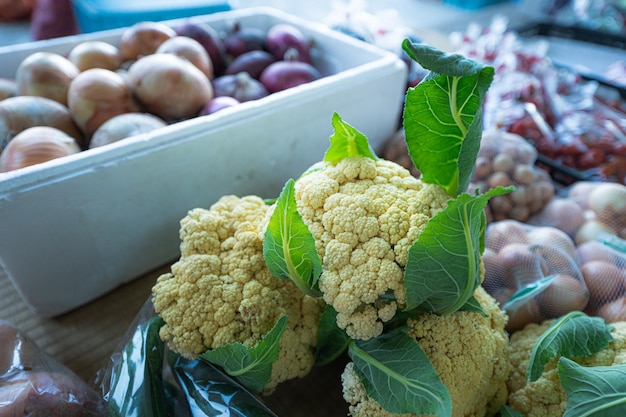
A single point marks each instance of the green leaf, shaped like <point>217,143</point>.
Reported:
<point>289,247</point>
<point>443,117</point>
<point>397,374</point>
<point>443,265</point>
<point>441,62</point>
<point>527,293</point>
<point>332,341</point>
<point>252,367</point>
<point>506,411</point>
<point>573,335</point>
<point>612,241</point>
<point>598,391</point>
<point>347,142</point>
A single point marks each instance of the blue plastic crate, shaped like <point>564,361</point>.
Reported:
<point>97,15</point>
<point>472,4</point>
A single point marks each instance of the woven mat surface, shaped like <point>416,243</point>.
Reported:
<point>84,338</point>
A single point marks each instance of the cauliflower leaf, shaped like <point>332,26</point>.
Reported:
<point>401,383</point>
<point>289,247</point>
<point>443,116</point>
<point>252,367</point>
<point>573,335</point>
<point>346,141</point>
<point>443,267</point>
<point>332,340</point>
<point>598,391</point>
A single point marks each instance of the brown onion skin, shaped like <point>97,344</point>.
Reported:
<point>604,280</point>
<point>282,75</point>
<point>95,54</point>
<point>21,112</point>
<point>189,49</point>
<point>36,145</point>
<point>613,311</point>
<point>143,38</point>
<point>95,96</point>
<point>45,74</point>
<point>124,126</point>
<point>8,88</point>
<point>566,293</point>
<point>169,87</point>
<point>208,38</point>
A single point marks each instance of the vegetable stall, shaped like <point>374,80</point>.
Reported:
<point>451,287</point>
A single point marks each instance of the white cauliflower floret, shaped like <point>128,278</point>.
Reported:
<point>468,351</point>
<point>546,397</point>
<point>220,291</point>
<point>364,215</point>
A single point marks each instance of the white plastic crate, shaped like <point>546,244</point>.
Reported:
<point>73,229</point>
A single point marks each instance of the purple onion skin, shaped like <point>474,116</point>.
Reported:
<point>209,38</point>
<point>242,40</point>
<point>240,86</point>
<point>218,103</point>
<point>252,62</point>
<point>282,75</point>
<point>283,36</point>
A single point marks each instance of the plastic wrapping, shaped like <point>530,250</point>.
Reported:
<point>578,125</point>
<point>506,159</point>
<point>532,272</point>
<point>144,378</point>
<point>34,384</point>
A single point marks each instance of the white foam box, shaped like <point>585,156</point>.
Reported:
<point>75,228</point>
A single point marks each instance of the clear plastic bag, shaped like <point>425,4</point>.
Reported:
<point>34,384</point>
<point>144,378</point>
<point>532,272</point>
<point>506,159</point>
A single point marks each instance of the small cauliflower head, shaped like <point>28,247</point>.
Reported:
<point>470,353</point>
<point>545,397</point>
<point>220,290</point>
<point>364,215</point>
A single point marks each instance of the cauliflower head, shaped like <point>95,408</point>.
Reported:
<point>545,397</point>
<point>470,353</point>
<point>220,290</point>
<point>364,215</point>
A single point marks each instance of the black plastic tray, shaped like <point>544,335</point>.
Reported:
<point>580,34</point>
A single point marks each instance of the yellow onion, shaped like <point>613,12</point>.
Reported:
<point>95,54</point>
<point>95,96</point>
<point>143,38</point>
<point>36,145</point>
<point>45,74</point>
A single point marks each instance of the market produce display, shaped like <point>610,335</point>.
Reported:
<point>170,73</point>
<point>453,279</point>
<point>393,270</point>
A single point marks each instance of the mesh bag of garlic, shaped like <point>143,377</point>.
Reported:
<point>506,159</point>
